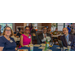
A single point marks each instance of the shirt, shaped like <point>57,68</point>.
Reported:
<point>67,38</point>
<point>44,35</point>
<point>8,45</point>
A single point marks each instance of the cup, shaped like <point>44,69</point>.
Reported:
<point>69,48</point>
<point>31,47</point>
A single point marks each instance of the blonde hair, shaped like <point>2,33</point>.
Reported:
<point>11,31</point>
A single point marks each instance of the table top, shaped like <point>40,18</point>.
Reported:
<point>41,48</point>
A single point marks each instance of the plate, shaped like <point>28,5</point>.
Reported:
<point>41,47</point>
<point>37,45</point>
<point>64,48</point>
<point>43,44</point>
<point>26,45</point>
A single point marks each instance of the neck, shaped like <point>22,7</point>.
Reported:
<point>44,33</point>
<point>66,34</point>
<point>26,34</point>
<point>7,36</point>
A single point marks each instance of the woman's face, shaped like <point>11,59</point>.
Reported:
<point>27,30</point>
<point>8,31</point>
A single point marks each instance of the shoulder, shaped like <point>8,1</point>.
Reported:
<point>62,37</point>
<point>2,38</point>
<point>29,35</point>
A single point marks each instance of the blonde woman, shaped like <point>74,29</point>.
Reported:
<point>6,42</point>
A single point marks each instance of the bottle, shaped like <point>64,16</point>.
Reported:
<point>47,45</point>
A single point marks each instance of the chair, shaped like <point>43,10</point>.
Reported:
<point>34,41</point>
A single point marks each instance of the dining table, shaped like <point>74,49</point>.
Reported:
<point>41,47</point>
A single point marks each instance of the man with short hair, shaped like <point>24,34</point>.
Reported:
<point>66,38</point>
<point>43,35</point>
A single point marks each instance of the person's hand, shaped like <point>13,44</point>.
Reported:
<point>16,49</point>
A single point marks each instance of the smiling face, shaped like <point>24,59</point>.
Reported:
<point>44,30</point>
<point>8,31</point>
<point>27,30</point>
<point>65,31</point>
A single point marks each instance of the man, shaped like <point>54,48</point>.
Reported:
<point>42,36</point>
<point>66,38</point>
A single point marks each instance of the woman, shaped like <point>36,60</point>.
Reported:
<point>35,39</point>
<point>25,38</point>
<point>20,32</point>
<point>6,42</point>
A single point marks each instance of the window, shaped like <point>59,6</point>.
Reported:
<point>66,24</point>
<point>5,24</point>
<point>53,26</point>
<point>60,26</point>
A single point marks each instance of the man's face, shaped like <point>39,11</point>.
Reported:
<point>45,30</point>
<point>65,31</point>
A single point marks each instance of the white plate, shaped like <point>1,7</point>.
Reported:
<point>59,47</point>
<point>43,44</point>
<point>41,47</point>
<point>37,45</point>
<point>26,45</point>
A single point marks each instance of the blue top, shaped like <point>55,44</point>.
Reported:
<point>8,45</point>
<point>69,29</point>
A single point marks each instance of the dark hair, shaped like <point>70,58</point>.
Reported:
<point>68,25</point>
<point>44,27</point>
<point>19,29</point>
<point>33,31</point>
<point>14,32</point>
<point>26,27</point>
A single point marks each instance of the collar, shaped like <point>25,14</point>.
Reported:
<point>44,34</point>
<point>67,35</point>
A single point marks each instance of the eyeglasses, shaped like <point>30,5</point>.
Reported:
<point>27,29</point>
<point>8,30</point>
<point>44,29</point>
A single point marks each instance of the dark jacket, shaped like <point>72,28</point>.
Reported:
<point>64,40</point>
<point>35,38</point>
<point>41,37</point>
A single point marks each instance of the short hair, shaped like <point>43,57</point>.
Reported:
<point>33,31</point>
<point>14,32</point>
<point>44,27</point>
<point>19,29</point>
<point>11,31</point>
<point>26,27</point>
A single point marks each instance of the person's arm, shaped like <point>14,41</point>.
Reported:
<point>21,41</point>
<point>1,48</point>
